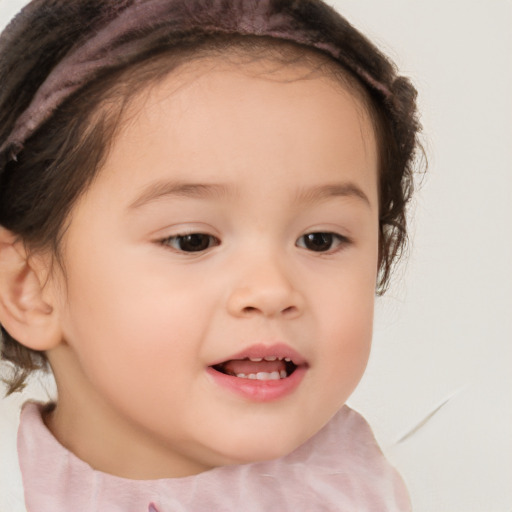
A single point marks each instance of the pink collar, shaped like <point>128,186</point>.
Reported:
<point>341,468</point>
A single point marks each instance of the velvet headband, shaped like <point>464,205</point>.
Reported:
<point>120,25</point>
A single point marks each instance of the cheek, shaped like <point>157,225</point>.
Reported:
<point>349,340</point>
<point>139,356</point>
<point>347,320</point>
<point>125,324</point>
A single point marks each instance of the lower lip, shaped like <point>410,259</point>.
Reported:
<point>260,390</point>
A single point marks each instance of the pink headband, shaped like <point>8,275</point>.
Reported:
<point>128,22</point>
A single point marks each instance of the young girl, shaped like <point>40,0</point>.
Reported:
<point>198,202</point>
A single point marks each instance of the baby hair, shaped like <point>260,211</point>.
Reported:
<point>68,70</point>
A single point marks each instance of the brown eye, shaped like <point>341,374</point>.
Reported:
<point>194,242</point>
<point>320,242</point>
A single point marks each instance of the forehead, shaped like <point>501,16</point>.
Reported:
<point>238,115</point>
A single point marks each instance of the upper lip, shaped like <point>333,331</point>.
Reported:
<point>279,350</point>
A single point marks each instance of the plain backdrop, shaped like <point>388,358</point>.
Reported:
<point>438,389</point>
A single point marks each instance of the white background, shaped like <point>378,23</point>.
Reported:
<point>444,330</point>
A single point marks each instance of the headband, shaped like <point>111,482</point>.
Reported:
<point>125,24</point>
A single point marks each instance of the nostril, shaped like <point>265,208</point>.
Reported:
<point>286,311</point>
<point>249,309</point>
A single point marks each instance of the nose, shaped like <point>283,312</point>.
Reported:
<point>266,289</point>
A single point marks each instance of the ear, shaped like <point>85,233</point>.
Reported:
<point>27,311</point>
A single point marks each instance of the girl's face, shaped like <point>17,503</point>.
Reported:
<point>220,273</point>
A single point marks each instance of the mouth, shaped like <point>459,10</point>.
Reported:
<point>261,373</point>
<point>266,368</point>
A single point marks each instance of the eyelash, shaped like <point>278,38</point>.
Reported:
<point>175,242</point>
<point>326,238</point>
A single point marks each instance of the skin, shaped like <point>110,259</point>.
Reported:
<point>140,321</point>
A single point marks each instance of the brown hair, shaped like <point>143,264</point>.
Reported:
<point>67,69</point>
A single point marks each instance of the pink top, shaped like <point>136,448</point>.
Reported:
<point>340,469</point>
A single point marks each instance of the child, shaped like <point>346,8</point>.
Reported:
<point>198,202</point>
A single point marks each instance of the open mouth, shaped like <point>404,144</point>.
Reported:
<point>258,368</point>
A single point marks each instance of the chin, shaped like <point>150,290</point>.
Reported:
<point>261,448</point>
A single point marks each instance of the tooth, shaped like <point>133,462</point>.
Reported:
<point>270,358</point>
<point>255,359</point>
<point>264,375</point>
<point>287,359</point>
<point>268,376</point>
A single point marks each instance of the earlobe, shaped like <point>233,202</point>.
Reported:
<point>26,309</point>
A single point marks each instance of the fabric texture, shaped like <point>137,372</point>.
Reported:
<point>340,469</point>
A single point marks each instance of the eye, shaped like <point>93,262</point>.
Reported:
<point>321,242</point>
<point>192,242</point>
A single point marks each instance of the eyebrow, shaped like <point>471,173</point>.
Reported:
<point>348,189</point>
<point>164,189</point>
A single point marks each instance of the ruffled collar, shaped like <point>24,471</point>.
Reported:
<point>340,469</point>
